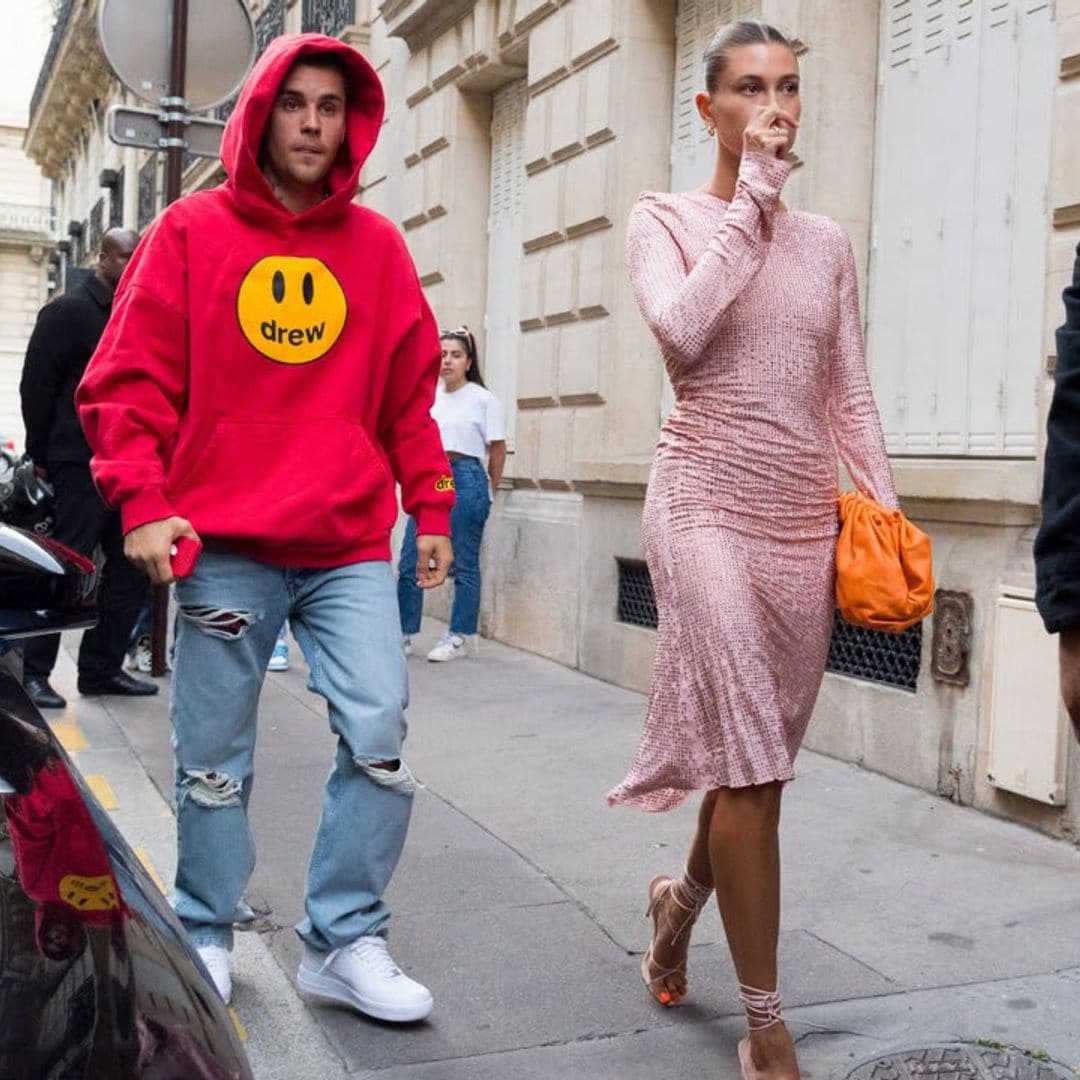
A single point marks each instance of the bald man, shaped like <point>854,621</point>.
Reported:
<point>67,332</point>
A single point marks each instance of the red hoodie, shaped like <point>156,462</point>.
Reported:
<point>269,375</point>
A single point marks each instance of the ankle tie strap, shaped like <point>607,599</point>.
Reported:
<point>762,1007</point>
<point>691,896</point>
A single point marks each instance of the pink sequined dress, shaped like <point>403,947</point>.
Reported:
<point>756,310</point>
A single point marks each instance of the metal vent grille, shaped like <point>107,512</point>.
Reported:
<point>637,602</point>
<point>870,655</point>
<point>876,656</point>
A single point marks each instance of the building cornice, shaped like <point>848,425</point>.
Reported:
<point>74,74</point>
<point>419,22</point>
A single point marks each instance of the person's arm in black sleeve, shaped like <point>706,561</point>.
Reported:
<point>1057,546</point>
<point>42,379</point>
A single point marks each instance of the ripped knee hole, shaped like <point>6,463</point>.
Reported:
<point>394,775</point>
<point>219,622</point>
<point>213,789</point>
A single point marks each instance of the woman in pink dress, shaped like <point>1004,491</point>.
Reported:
<point>756,311</point>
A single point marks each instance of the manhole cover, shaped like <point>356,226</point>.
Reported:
<point>959,1061</point>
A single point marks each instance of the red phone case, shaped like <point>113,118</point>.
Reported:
<point>186,553</point>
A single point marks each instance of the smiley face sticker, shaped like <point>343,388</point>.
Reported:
<point>292,310</point>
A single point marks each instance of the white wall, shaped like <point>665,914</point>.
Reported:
<point>27,26</point>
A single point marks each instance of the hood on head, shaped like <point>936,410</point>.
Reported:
<point>247,125</point>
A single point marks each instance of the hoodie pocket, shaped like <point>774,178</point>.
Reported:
<point>317,483</point>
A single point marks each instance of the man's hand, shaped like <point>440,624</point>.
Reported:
<point>1070,674</point>
<point>433,558</point>
<point>149,546</point>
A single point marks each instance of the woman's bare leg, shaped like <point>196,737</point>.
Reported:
<point>744,851</point>
<point>668,954</point>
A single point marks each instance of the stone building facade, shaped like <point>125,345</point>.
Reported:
<point>518,135</point>
<point>26,231</point>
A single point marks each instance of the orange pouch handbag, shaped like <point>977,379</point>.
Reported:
<point>884,566</point>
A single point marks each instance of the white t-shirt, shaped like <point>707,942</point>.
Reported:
<point>469,418</point>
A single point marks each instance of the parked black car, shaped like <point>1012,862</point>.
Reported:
<point>97,977</point>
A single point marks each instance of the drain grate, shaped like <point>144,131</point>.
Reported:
<point>637,601</point>
<point>876,656</point>
<point>960,1061</point>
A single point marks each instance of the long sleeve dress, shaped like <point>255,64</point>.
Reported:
<point>756,311</point>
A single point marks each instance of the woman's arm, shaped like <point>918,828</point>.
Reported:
<point>853,415</point>
<point>685,309</point>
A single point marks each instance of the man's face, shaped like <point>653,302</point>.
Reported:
<point>114,258</point>
<point>307,125</point>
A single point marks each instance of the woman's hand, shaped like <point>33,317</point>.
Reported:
<point>769,132</point>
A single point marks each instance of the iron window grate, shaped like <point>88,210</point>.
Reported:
<point>147,206</point>
<point>875,655</point>
<point>328,17</point>
<point>870,655</point>
<point>116,201</point>
<point>637,601</point>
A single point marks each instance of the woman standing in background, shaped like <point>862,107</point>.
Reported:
<point>471,424</point>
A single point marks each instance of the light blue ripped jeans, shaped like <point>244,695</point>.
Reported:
<point>346,622</point>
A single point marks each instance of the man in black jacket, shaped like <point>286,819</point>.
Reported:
<point>67,332</point>
<point>1057,546</point>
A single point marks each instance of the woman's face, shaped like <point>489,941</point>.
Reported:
<point>755,76</point>
<point>455,362</point>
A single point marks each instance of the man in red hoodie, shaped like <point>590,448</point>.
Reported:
<point>265,378</point>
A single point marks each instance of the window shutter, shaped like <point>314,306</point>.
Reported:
<point>505,223</point>
<point>960,224</point>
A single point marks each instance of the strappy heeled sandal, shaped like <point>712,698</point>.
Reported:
<point>763,1010</point>
<point>689,895</point>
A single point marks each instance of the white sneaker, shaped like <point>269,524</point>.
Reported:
<point>279,658</point>
<point>139,659</point>
<point>216,960</point>
<point>450,647</point>
<point>363,974</point>
<point>406,645</point>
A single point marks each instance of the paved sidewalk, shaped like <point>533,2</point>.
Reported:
<point>907,920</point>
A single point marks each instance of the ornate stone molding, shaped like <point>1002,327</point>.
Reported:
<point>419,22</point>
<point>1065,217</point>
<point>76,75</point>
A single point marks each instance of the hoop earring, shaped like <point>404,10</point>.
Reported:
<point>711,131</point>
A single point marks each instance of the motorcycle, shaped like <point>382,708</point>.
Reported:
<point>26,498</point>
<point>97,977</point>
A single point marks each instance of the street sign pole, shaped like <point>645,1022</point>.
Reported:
<point>175,110</point>
<point>175,104</point>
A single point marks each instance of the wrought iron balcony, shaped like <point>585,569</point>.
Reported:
<point>328,17</point>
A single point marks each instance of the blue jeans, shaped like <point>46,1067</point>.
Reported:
<point>467,519</point>
<point>230,611</point>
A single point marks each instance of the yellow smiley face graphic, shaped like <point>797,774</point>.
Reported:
<point>88,893</point>
<point>291,310</point>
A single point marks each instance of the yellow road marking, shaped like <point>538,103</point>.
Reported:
<point>103,791</point>
<point>151,869</point>
<point>70,736</point>
<point>240,1029</point>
